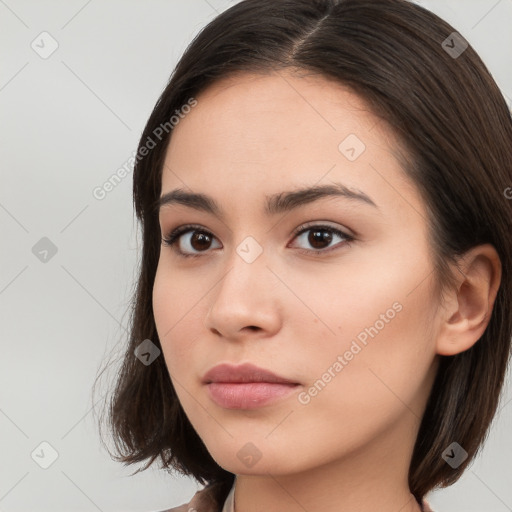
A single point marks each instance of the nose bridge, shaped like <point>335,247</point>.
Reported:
<point>244,295</point>
<point>247,271</point>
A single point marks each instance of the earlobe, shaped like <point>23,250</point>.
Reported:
<point>469,307</point>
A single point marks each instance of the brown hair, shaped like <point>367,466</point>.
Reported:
<point>457,130</point>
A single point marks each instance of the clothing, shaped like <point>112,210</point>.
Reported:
<point>208,500</point>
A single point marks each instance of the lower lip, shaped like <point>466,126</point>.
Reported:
<point>247,395</point>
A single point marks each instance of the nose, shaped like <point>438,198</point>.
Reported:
<point>245,301</point>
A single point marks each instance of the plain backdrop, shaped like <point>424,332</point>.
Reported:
<point>78,80</point>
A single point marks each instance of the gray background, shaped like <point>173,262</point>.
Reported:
<point>69,121</point>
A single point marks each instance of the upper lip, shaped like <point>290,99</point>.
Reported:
<point>242,373</point>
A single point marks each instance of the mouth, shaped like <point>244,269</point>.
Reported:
<point>246,386</point>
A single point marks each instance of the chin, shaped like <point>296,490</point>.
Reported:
<point>257,458</point>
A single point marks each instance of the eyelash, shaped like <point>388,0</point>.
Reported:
<point>173,237</point>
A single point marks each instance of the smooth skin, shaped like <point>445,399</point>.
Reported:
<point>349,448</point>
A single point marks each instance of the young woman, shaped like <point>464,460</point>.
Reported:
<point>323,315</point>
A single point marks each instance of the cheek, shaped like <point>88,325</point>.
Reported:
<point>356,389</point>
<point>176,298</point>
<point>163,303</point>
<point>379,339</point>
<point>175,317</point>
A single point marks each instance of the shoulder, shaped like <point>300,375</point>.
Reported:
<point>209,499</point>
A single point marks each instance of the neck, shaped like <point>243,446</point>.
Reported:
<point>367,480</point>
<point>278,494</point>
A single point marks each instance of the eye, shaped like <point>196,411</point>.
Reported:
<point>199,239</point>
<point>321,236</point>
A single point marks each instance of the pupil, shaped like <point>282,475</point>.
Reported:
<point>320,236</point>
<point>202,238</point>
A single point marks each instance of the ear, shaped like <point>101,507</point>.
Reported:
<point>468,309</point>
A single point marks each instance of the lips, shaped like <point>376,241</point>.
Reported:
<point>246,386</point>
<point>243,373</point>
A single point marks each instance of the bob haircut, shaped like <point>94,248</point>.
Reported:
<point>456,129</point>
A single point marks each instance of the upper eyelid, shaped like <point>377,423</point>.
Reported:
<point>184,229</point>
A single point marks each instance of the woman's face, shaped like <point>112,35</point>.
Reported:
<point>349,324</point>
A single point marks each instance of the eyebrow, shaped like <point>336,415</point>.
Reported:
<point>276,203</point>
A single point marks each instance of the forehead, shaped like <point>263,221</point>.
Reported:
<point>259,134</point>
<point>279,113</point>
